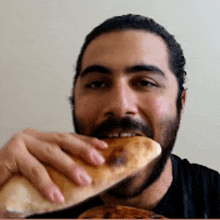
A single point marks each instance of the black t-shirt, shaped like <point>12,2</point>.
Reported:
<point>194,193</point>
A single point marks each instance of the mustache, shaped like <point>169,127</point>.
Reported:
<point>124,124</point>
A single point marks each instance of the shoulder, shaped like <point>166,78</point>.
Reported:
<point>184,163</point>
<point>197,173</point>
<point>200,187</point>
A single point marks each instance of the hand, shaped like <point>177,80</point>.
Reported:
<point>26,152</point>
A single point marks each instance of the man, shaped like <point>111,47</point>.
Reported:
<point>129,81</point>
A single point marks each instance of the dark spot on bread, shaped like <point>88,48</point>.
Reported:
<point>118,157</point>
<point>107,215</point>
<point>137,144</point>
<point>147,145</point>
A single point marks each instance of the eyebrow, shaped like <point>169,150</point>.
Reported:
<point>145,67</point>
<point>133,69</point>
<point>95,69</point>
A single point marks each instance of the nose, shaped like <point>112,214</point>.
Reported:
<point>121,101</point>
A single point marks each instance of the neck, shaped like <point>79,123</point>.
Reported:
<point>151,196</point>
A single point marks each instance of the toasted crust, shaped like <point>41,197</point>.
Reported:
<point>118,212</point>
<point>125,156</point>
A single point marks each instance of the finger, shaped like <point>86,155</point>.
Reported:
<point>8,154</point>
<point>95,142</point>
<point>30,131</point>
<point>30,167</point>
<point>53,155</point>
<point>82,149</point>
<point>5,167</point>
<point>75,145</point>
<point>62,137</point>
<point>14,158</point>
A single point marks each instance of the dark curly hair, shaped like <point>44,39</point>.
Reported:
<point>138,22</point>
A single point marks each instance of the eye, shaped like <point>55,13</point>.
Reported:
<point>145,83</point>
<point>96,85</point>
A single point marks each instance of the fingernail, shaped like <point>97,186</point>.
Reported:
<point>84,178</point>
<point>58,196</point>
<point>98,158</point>
<point>104,144</point>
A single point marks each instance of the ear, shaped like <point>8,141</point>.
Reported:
<point>183,100</point>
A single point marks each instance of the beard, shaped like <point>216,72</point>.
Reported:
<point>128,188</point>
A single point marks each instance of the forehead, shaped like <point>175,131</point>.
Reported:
<point>125,48</point>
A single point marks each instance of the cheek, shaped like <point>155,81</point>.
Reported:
<point>163,107</point>
<point>161,111</point>
<point>86,111</point>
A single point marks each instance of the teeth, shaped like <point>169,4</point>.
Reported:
<point>116,135</point>
<point>113,135</point>
<point>126,135</point>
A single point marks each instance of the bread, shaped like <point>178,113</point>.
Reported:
<point>125,156</point>
<point>119,212</point>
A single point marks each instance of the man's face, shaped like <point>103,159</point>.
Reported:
<point>126,88</point>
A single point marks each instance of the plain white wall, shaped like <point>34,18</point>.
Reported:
<point>40,41</point>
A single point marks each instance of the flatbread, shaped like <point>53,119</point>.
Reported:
<point>124,157</point>
<point>119,212</point>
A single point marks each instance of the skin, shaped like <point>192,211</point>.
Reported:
<point>118,51</point>
<point>29,149</point>
<point>110,85</point>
